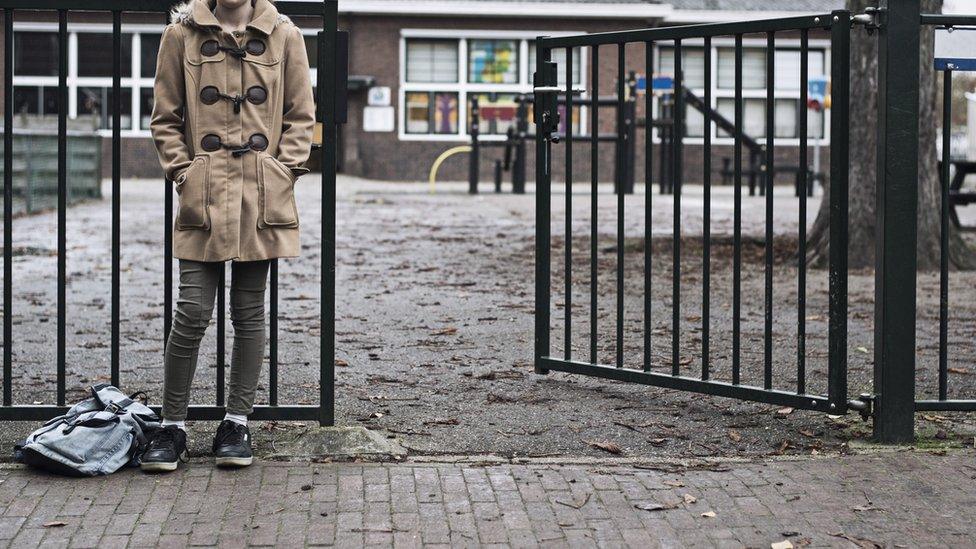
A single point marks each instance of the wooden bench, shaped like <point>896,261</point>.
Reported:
<point>957,196</point>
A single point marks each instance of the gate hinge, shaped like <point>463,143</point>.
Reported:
<point>863,404</point>
<point>871,19</point>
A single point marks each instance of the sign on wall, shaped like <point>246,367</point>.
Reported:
<point>955,49</point>
<point>378,119</point>
<point>379,96</point>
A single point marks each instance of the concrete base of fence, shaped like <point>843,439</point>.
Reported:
<point>339,444</point>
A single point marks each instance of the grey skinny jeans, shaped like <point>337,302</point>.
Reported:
<point>194,309</point>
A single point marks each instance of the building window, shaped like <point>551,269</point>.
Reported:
<point>432,61</point>
<point>95,54</point>
<point>786,81</point>
<point>432,113</point>
<point>149,50</point>
<point>89,77</point>
<point>36,53</point>
<point>493,61</point>
<point>98,103</point>
<point>441,75</point>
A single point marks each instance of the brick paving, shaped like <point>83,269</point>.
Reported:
<point>906,499</point>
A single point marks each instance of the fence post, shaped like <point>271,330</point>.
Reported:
<point>474,159</point>
<point>898,147</point>
<point>544,69</point>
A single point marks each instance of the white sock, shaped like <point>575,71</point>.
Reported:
<point>236,418</point>
<point>180,424</point>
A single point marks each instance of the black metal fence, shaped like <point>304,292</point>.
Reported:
<point>947,195</point>
<point>838,26</point>
<point>330,105</point>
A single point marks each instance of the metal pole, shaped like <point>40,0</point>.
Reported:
<point>542,206</point>
<point>475,158</point>
<point>896,261</point>
<point>328,116</point>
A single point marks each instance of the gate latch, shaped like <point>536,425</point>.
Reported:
<point>546,104</point>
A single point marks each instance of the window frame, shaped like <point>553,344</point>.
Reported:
<point>821,45</point>
<point>134,83</point>
<point>465,89</point>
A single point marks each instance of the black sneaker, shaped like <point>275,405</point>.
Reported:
<point>167,447</point>
<point>232,445</point>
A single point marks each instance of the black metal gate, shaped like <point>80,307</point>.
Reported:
<point>329,89</point>
<point>548,94</point>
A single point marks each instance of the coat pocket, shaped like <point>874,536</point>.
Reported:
<point>277,195</point>
<point>195,195</point>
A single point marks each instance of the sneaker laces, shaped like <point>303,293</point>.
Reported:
<point>164,437</point>
<point>234,435</point>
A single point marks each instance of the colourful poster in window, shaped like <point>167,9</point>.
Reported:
<point>493,61</point>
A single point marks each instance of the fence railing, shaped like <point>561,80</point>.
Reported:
<point>946,195</point>
<point>647,371</point>
<point>329,89</point>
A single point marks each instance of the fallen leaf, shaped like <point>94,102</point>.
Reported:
<point>784,411</point>
<point>807,433</point>
<point>690,499</point>
<point>708,514</point>
<point>785,544</point>
<point>860,542</point>
<point>606,446</point>
<point>445,332</point>
<point>734,435</point>
<point>658,441</point>
<point>55,524</point>
<point>674,483</point>
<point>341,363</point>
<point>655,506</point>
<point>961,371</point>
<point>575,505</point>
<point>862,350</point>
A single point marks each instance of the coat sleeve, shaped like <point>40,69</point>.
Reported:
<point>168,104</point>
<point>298,108</point>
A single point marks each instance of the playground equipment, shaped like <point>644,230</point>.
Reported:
<point>514,146</point>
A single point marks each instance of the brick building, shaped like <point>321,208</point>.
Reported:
<point>415,65</point>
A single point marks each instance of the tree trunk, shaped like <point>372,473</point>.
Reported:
<point>863,161</point>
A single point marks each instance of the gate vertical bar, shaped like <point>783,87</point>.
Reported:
<point>677,150</point>
<point>648,170</point>
<point>273,341</point>
<point>896,262</point>
<point>221,333</point>
<point>62,197</point>
<point>944,236</point>
<point>594,194</point>
<point>8,199</point>
<point>568,346</point>
<point>621,189</point>
<point>167,251</point>
<point>474,157</point>
<point>840,70</point>
<point>327,116</point>
<point>542,209</point>
<point>706,210</point>
<point>737,218</point>
<point>116,185</point>
<point>769,179</point>
<point>801,256</point>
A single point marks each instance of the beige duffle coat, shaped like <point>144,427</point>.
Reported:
<point>232,123</point>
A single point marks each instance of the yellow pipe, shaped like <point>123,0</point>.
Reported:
<point>440,160</point>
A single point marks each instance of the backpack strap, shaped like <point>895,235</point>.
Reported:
<point>119,406</point>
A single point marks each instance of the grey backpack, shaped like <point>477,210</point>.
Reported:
<point>97,436</point>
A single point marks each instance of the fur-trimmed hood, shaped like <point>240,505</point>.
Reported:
<point>199,14</point>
